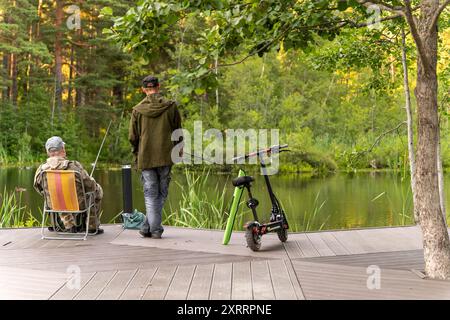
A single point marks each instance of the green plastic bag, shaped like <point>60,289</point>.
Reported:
<point>133,220</point>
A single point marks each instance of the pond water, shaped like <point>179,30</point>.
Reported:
<point>339,201</point>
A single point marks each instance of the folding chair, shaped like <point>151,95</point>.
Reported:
<point>62,192</point>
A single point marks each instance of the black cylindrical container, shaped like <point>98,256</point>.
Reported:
<point>127,190</point>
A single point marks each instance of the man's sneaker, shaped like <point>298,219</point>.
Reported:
<point>99,231</point>
<point>145,234</point>
<point>156,235</point>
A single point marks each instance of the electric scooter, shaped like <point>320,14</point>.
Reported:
<point>278,222</point>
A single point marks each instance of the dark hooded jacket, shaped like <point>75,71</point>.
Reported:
<point>152,122</point>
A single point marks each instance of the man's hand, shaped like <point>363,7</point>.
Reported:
<point>135,158</point>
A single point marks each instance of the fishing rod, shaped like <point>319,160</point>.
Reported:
<point>101,146</point>
<point>196,156</point>
<point>268,151</point>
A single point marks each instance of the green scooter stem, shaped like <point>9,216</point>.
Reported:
<point>233,210</point>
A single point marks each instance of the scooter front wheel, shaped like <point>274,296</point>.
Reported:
<point>252,236</point>
<point>282,234</point>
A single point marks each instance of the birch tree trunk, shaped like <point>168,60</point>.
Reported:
<point>409,123</point>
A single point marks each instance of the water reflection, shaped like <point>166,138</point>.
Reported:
<point>334,202</point>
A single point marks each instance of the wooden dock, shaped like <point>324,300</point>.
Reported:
<point>193,264</point>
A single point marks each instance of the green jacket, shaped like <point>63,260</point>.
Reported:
<point>152,122</point>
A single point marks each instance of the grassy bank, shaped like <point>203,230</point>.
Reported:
<point>12,213</point>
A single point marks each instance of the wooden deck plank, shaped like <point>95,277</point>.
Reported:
<point>106,265</point>
<point>294,279</point>
<point>351,283</point>
<point>137,286</point>
<point>306,246</point>
<point>281,281</point>
<point>179,287</point>
<point>201,282</point>
<point>5,236</point>
<point>261,281</point>
<point>110,257</point>
<point>15,236</point>
<point>117,285</point>
<point>95,286</point>
<point>333,243</point>
<point>353,242</point>
<point>319,244</point>
<point>316,265</point>
<point>21,284</point>
<point>191,239</point>
<point>388,239</point>
<point>292,249</point>
<point>242,284</point>
<point>157,288</point>
<point>68,292</point>
<point>410,236</point>
<point>20,243</point>
<point>391,260</point>
<point>221,284</point>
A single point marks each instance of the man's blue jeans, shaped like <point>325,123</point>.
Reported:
<point>156,188</point>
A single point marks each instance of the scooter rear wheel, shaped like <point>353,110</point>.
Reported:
<point>253,238</point>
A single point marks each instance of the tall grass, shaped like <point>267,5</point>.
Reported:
<point>196,209</point>
<point>310,218</point>
<point>4,158</point>
<point>12,213</point>
<point>405,208</point>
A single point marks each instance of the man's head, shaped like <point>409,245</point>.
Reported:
<point>150,85</point>
<point>55,147</point>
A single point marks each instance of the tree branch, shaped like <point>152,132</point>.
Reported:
<point>415,33</point>
<point>362,25</point>
<point>381,5</point>
<point>378,139</point>
<point>437,14</point>
<point>264,47</point>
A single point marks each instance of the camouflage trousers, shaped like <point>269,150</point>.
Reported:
<point>69,220</point>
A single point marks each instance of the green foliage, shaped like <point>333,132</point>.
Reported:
<point>310,220</point>
<point>196,209</point>
<point>330,90</point>
<point>13,214</point>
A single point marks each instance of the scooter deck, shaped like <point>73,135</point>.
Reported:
<point>233,210</point>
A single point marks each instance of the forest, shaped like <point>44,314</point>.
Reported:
<point>339,103</point>
<point>351,85</point>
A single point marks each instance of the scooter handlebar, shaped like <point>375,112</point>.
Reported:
<point>273,149</point>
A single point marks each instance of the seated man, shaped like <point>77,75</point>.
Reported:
<point>57,161</point>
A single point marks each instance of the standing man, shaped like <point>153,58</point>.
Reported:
<point>152,122</point>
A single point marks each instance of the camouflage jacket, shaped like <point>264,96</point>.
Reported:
<point>58,163</point>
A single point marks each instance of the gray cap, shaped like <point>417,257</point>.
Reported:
<point>54,144</point>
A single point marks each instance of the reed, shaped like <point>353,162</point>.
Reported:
<point>12,213</point>
<point>196,209</point>
<point>311,220</point>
